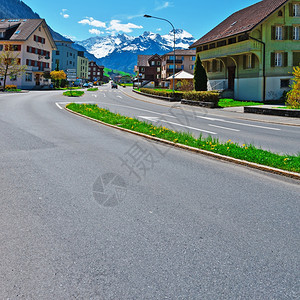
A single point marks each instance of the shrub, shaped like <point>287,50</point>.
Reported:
<point>200,77</point>
<point>210,96</point>
<point>185,85</point>
<point>73,93</point>
<point>162,93</point>
<point>10,87</point>
<point>293,96</point>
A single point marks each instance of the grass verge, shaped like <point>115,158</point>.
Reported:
<point>73,93</point>
<point>232,103</point>
<point>245,152</point>
<point>92,89</point>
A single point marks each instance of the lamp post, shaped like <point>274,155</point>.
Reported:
<point>147,16</point>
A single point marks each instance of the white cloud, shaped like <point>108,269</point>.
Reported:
<point>115,25</point>
<point>164,5</point>
<point>95,31</point>
<point>158,29</point>
<point>92,22</point>
<point>63,13</point>
<point>134,16</point>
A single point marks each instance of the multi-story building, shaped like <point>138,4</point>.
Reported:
<point>254,50</point>
<point>82,66</point>
<point>34,42</point>
<point>184,61</point>
<point>95,72</point>
<point>64,57</point>
<point>149,69</point>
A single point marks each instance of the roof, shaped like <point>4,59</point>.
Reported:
<point>241,21</point>
<point>182,75</point>
<point>182,52</point>
<point>21,29</point>
<point>143,60</point>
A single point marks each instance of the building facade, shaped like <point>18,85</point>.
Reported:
<point>254,50</point>
<point>95,72</point>
<point>82,67</point>
<point>33,41</point>
<point>184,61</point>
<point>149,69</point>
<point>64,57</point>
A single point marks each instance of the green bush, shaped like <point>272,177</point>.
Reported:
<point>210,96</point>
<point>73,93</point>
<point>162,93</point>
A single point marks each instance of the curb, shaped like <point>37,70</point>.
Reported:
<point>272,111</point>
<point>252,165</point>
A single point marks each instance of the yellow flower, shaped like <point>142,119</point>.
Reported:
<point>228,141</point>
<point>243,145</point>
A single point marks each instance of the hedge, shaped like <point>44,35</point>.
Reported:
<point>210,96</point>
<point>162,93</point>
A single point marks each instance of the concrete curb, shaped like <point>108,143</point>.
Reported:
<point>272,111</point>
<point>293,175</point>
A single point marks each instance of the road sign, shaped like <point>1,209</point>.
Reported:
<point>71,75</point>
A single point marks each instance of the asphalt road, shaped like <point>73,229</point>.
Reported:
<point>90,212</point>
<point>275,137</point>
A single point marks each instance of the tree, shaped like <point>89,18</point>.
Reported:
<point>10,63</point>
<point>293,96</point>
<point>57,76</point>
<point>200,77</point>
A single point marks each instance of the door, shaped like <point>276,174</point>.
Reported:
<point>231,77</point>
<point>37,79</point>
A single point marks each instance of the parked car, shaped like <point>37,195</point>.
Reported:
<point>85,85</point>
<point>114,86</point>
<point>90,84</point>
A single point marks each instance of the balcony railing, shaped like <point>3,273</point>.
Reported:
<point>177,61</point>
<point>171,70</point>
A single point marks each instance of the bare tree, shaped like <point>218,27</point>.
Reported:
<point>10,63</point>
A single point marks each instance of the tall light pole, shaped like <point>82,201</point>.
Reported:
<point>147,16</point>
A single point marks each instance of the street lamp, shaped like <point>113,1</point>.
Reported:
<point>147,16</point>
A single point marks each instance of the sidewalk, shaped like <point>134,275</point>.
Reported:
<point>230,112</point>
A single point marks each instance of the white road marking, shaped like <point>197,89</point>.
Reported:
<point>223,127</point>
<point>58,105</point>
<point>119,96</point>
<point>194,128</point>
<point>238,123</point>
<point>153,119</point>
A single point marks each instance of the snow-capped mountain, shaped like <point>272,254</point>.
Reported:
<point>120,51</point>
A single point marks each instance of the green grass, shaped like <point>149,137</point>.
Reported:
<point>73,93</point>
<point>246,152</point>
<point>127,84</point>
<point>13,90</point>
<point>232,103</point>
<point>92,89</point>
<point>286,107</point>
<point>108,72</point>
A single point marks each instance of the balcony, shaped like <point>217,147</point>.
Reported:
<point>171,70</point>
<point>177,61</point>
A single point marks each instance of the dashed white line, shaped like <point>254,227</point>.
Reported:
<point>212,125</point>
<point>119,96</point>
<point>238,123</point>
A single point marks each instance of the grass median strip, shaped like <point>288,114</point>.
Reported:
<point>246,152</point>
<point>73,93</point>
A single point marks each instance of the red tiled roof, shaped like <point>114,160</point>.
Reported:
<point>241,21</point>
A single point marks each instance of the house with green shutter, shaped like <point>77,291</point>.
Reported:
<point>253,51</point>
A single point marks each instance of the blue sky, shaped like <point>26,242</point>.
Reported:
<point>80,20</point>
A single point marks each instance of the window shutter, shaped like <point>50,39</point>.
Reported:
<point>253,61</point>
<point>285,59</point>
<point>273,28</point>
<point>286,33</point>
<point>273,59</point>
<point>296,59</point>
<point>28,49</point>
<point>291,11</point>
<point>244,61</point>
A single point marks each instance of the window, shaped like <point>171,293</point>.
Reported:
<point>278,33</point>
<point>249,61</point>
<point>158,69</point>
<point>284,83</point>
<point>280,13</point>
<point>1,47</point>
<point>296,33</point>
<point>296,10</point>
<point>191,67</point>
<point>278,59</point>
<point>28,76</point>
<point>142,69</point>
<point>158,63</point>
<point>13,78</point>
<point>158,76</point>
<point>57,52</point>
<point>152,63</point>
<point>182,58</point>
<point>182,67</point>
<point>2,34</point>
<point>296,58</point>
<point>171,57</point>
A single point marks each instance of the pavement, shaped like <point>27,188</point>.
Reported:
<point>230,112</point>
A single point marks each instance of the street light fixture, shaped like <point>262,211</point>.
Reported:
<point>148,16</point>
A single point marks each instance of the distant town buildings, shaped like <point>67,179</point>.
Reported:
<point>95,72</point>
<point>82,67</point>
